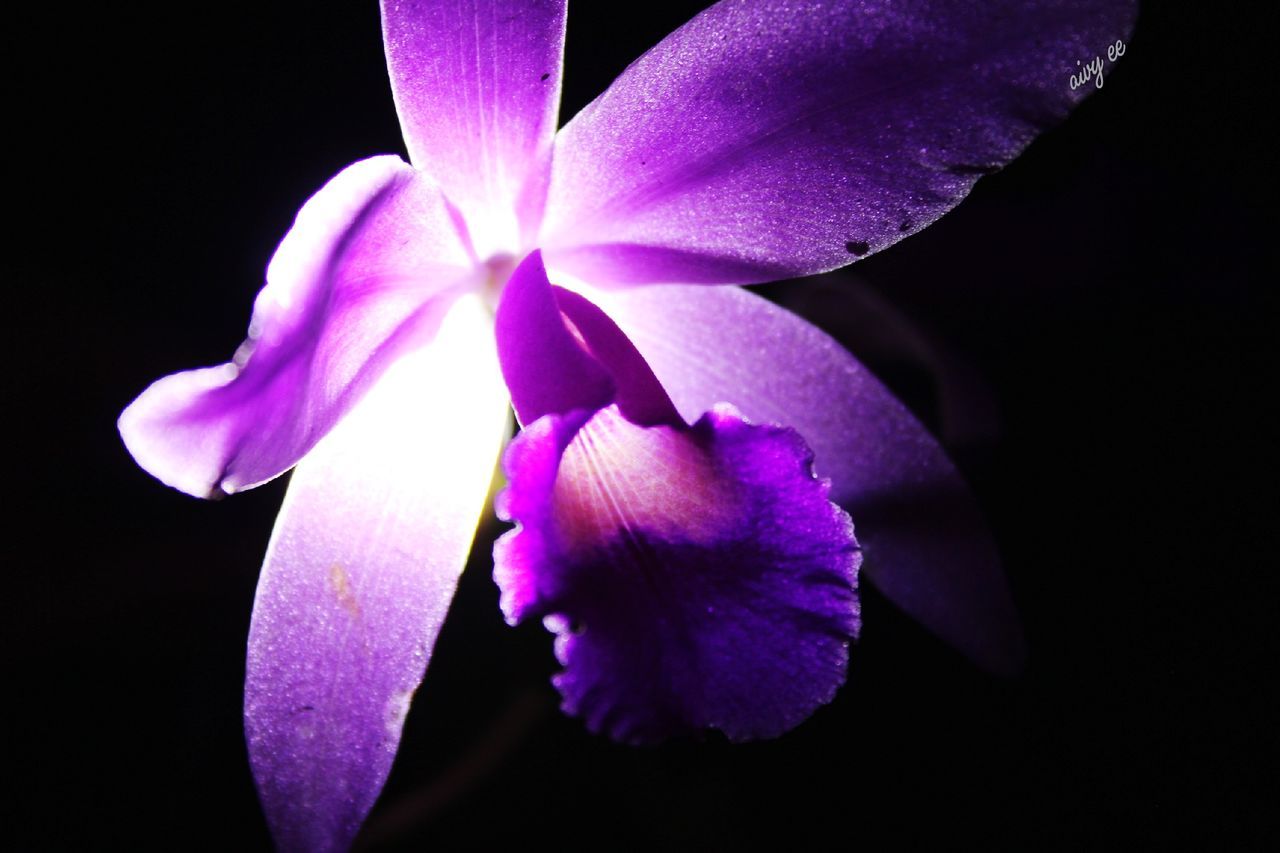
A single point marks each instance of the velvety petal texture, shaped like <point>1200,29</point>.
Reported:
<point>925,543</point>
<point>694,578</point>
<point>477,88</point>
<point>371,265</point>
<point>774,138</point>
<point>361,568</point>
<point>697,577</point>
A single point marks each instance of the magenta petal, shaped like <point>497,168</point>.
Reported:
<point>696,577</point>
<point>925,543</point>
<point>546,368</point>
<point>359,575</point>
<point>560,353</point>
<point>362,277</point>
<point>767,139</point>
<point>477,87</point>
<point>639,395</point>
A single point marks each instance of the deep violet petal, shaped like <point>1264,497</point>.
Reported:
<point>361,568</point>
<point>639,395</point>
<point>547,369</point>
<point>695,577</point>
<point>477,88</point>
<point>925,543</point>
<point>772,138</point>
<point>363,276</point>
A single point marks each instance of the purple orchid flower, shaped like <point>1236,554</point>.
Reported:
<point>671,529</point>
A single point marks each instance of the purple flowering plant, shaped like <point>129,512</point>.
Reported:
<point>693,459</point>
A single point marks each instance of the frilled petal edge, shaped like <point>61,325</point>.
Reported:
<point>696,577</point>
<point>361,568</point>
<point>925,543</point>
<point>371,265</point>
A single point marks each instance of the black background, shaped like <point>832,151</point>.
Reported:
<point>1105,291</point>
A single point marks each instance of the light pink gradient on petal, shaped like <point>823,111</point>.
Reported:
<point>925,544</point>
<point>358,578</point>
<point>364,275</point>
<point>477,88</point>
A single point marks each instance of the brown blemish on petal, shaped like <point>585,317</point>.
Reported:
<point>340,584</point>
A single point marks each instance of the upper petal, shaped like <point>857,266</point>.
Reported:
<point>769,138</point>
<point>925,543</point>
<point>361,568</point>
<point>364,274</point>
<point>477,88</point>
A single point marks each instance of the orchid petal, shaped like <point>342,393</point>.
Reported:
<point>560,353</point>
<point>767,138</point>
<point>363,276</point>
<point>546,368</point>
<point>361,568</point>
<point>639,395</point>
<point>477,88</point>
<point>696,577</point>
<point>926,546</point>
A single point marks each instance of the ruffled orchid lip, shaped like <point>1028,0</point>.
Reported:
<point>696,576</point>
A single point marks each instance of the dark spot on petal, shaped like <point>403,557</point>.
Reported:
<point>970,169</point>
<point>857,247</point>
<point>545,76</point>
<point>906,225</point>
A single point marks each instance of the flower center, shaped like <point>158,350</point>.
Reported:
<point>497,271</point>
